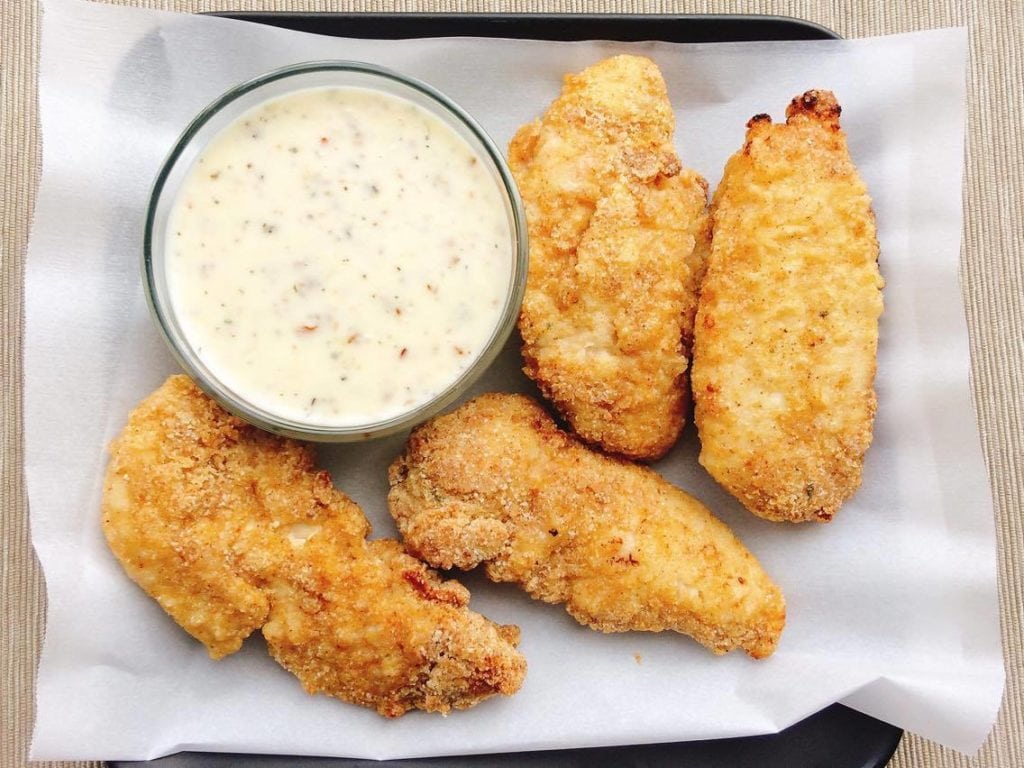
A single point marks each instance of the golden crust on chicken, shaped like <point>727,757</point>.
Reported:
<point>496,482</point>
<point>618,232</point>
<point>787,327</point>
<point>232,529</point>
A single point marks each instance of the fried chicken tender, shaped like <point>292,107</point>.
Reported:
<point>496,482</point>
<point>787,327</point>
<point>232,529</point>
<point>618,233</point>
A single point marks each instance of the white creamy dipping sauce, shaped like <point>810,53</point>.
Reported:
<point>337,256</point>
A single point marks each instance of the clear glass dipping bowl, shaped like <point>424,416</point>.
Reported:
<point>225,110</point>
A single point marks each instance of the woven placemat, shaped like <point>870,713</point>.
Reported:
<point>992,274</point>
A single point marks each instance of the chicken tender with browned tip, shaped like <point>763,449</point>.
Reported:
<point>787,327</point>
<point>232,529</point>
<point>496,482</point>
<point>618,233</point>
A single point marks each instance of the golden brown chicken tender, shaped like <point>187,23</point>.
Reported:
<point>618,232</point>
<point>496,482</point>
<point>787,327</point>
<point>232,529</point>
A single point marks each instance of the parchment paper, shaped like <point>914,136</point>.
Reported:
<point>891,608</point>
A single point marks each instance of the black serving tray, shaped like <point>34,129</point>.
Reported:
<point>835,737</point>
<point>680,28</point>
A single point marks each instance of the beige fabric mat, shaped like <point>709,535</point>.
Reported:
<point>992,274</point>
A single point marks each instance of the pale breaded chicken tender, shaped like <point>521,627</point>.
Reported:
<point>618,233</point>
<point>496,482</point>
<point>787,327</point>
<point>232,529</point>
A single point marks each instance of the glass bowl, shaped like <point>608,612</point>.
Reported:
<point>225,111</point>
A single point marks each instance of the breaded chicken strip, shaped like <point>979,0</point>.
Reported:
<point>496,482</point>
<point>232,529</point>
<point>618,232</point>
<point>787,329</point>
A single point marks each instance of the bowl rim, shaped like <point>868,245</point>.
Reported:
<point>163,314</point>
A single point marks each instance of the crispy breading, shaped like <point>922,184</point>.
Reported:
<point>496,482</point>
<point>232,529</point>
<point>618,232</point>
<point>787,326</point>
